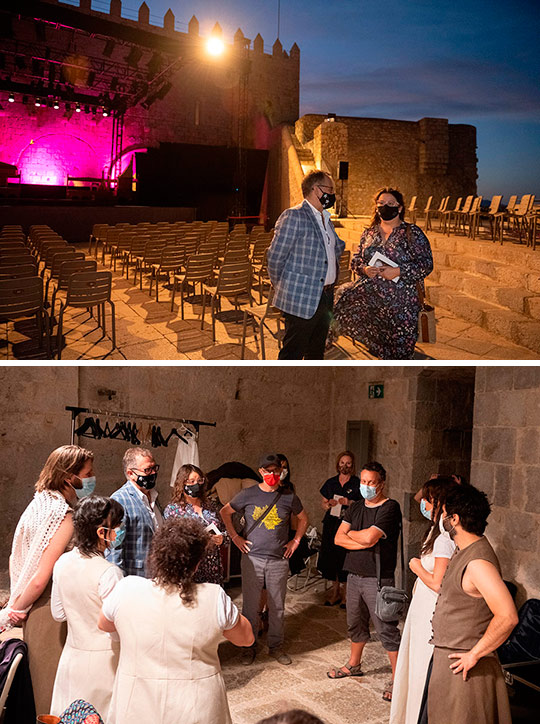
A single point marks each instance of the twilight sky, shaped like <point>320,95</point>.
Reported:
<point>471,61</point>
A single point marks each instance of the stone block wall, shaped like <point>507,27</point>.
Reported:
<point>506,465</point>
<point>420,158</point>
<point>202,107</point>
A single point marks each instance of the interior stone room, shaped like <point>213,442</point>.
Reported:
<point>482,423</point>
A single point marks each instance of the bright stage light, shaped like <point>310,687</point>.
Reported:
<point>78,108</point>
<point>215,46</point>
<point>11,98</point>
<point>56,105</point>
<point>37,103</point>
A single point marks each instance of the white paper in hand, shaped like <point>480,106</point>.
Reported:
<point>379,259</point>
<point>212,528</point>
<point>336,509</point>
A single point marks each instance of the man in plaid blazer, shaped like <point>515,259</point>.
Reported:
<point>142,513</point>
<point>303,264</point>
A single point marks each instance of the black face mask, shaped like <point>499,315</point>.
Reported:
<point>147,481</point>
<point>192,490</point>
<point>327,200</point>
<point>387,213</point>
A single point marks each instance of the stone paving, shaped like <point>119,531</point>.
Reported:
<point>316,642</point>
<point>148,330</point>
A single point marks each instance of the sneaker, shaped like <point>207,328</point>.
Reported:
<point>248,655</point>
<point>280,656</point>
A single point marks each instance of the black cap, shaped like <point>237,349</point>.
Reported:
<point>269,459</point>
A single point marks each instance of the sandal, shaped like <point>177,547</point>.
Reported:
<point>340,674</point>
<point>387,693</point>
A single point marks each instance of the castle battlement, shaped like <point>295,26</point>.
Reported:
<point>169,29</point>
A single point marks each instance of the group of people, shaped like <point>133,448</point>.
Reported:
<point>379,309</point>
<point>145,612</point>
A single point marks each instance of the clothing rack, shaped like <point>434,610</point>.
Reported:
<point>75,411</point>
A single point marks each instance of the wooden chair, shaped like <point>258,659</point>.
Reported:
<point>171,262</point>
<point>462,214</point>
<point>199,270</point>
<point>87,290</point>
<point>473,216</point>
<point>22,298</point>
<point>234,284</point>
<point>260,315</point>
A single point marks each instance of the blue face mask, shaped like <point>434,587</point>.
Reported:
<point>88,487</point>
<point>120,535</point>
<point>368,491</point>
<point>425,512</point>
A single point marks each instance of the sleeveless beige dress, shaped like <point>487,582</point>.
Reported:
<point>169,670</point>
<point>87,666</point>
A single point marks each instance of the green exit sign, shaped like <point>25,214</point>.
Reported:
<point>376,391</point>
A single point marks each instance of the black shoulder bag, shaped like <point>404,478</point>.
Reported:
<point>391,602</point>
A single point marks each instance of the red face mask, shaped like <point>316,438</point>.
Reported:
<point>271,479</point>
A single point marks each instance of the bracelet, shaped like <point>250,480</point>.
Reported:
<point>297,540</point>
<point>235,536</point>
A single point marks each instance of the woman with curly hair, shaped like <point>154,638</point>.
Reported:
<point>190,501</point>
<point>170,628</point>
<point>381,308</point>
<point>82,580</point>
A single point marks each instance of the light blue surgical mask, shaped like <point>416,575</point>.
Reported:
<point>120,535</point>
<point>368,491</point>
<point>88,487</point>
<point>425,512</point>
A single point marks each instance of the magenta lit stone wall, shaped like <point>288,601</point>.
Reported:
<point>46,144</point>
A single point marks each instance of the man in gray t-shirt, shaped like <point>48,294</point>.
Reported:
<point>267,510</point>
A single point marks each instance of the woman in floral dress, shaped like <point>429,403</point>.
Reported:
<point>377,310</point>
<point>190,501</point>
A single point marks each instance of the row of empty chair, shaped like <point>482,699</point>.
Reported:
<point>467,216</point>
<point>42,269</point>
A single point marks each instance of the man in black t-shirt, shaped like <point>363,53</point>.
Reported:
<point>373,521</point>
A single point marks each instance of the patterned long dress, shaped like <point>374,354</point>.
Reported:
<point>383,314</point>
<point>210,569</point>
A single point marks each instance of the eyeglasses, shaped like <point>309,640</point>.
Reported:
<point>199,481</point>
<point>147,471</point>
<point>325,187</point>
<point>394,206</point>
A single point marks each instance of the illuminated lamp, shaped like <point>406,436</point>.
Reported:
<point>78,108</point>
<point>215,46</point>
<point>56,105</point>
<point>37,103</point>
<point>105,113</point>
<point>11,98</point>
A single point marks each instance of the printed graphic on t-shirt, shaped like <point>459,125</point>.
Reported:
<point>271,520</point>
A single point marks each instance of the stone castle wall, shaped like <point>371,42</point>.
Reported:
<point>506,464</point>
<point>202,107</point>
<point>428,157</point>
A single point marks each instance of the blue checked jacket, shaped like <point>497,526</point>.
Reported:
<point>297,261</point>
<point>131,557</point>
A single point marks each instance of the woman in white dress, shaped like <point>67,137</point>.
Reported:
<point>82,580</point>
<point>415,651</point>
<point>43,533</point>
<point>170,629</point>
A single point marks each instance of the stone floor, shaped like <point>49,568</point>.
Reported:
<point>316,641</point>
<point>148,330</point>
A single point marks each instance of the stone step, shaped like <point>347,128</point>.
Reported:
<point>511,325</point>
<point>510,254</point>
<point>483,289</point>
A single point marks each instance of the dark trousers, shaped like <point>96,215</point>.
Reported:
<point>306,338</point>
